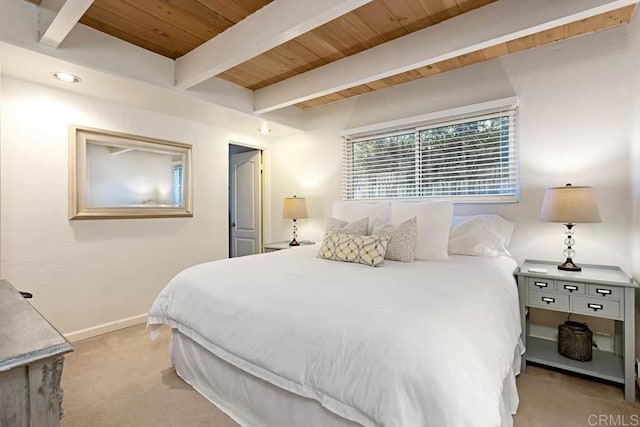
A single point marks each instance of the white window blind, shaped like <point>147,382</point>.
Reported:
<point>469,159</point>
<point>176,185</point>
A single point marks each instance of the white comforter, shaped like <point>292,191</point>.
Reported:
<point>427,343</point>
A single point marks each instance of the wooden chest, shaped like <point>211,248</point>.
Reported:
<point>31,361</point>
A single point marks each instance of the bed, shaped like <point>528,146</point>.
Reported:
<point>289,339</point>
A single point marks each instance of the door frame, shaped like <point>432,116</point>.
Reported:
<point>265,199</point>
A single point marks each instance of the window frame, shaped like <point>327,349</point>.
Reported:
<point>493,109</point>
<point>174,184</point>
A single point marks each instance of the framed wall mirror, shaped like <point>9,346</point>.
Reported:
<point>114,175</point>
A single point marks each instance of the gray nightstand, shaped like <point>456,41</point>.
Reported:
<point>277,246</point>
<point>597,290</point>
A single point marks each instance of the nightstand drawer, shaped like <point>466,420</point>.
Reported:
<point>600,307</point>
<point>602,291</point>
<point>541,284</point>
<point>573,288</point>
<point>552,300</point>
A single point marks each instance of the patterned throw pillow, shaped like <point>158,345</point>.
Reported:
<point>368,250</point>
<point>402,239</point>
<point>358,228</point>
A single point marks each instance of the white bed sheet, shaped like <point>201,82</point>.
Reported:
<point>253,402</point>
<point>428,343</point>
<point>247,399</point>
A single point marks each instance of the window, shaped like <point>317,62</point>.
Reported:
<point>466,159</point>
<point>176,185</point>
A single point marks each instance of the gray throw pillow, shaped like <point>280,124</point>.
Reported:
<point>356,228</point>
<point>402,239</point>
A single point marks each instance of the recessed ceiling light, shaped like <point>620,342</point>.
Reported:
<point>66,77</point>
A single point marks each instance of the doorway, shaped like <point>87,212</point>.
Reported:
<point>245,201</point>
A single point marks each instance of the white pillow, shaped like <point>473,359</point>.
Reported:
<point>480,235</point>
<point>434,224</point>
<point>350,211</point>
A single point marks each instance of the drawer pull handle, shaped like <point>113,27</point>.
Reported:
<point>548,300</point>
<point>595,307</point>
<point>541,284</point>
<point>571,288</point>
<point>603,291</point>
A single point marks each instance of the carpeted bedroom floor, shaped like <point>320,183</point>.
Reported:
<point>123,379</point>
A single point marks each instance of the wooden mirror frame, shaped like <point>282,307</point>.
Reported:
<point>78,209</point>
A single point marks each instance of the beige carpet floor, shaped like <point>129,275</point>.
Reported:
<point>124,379</point>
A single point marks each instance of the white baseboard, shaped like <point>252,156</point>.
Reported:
<point>94,331</point>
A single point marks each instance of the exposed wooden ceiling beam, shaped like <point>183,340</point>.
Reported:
<point>274,24</point>
<point>121,64</point>
<point>56,19</point>
<point>487,26</point>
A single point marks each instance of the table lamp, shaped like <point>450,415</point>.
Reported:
<point>569,205</point>
<point>294,208</point>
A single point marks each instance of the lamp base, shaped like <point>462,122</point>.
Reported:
<point>293,241</point>
<point>569,265</point>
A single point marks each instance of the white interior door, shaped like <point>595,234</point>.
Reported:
<point>245,210</point>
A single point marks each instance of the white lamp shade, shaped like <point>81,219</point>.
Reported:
<point>570,205</point>
<point>294,208</point>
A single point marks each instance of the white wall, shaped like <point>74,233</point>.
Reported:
<point>576,118</point>
<point>635,200</point>
<point>635,156</point>
<point>635,179</point>
<point>574,127</point>
<point>86,273</point>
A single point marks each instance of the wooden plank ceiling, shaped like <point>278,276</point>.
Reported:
<point>173,28</point>
<point>595,23</point>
